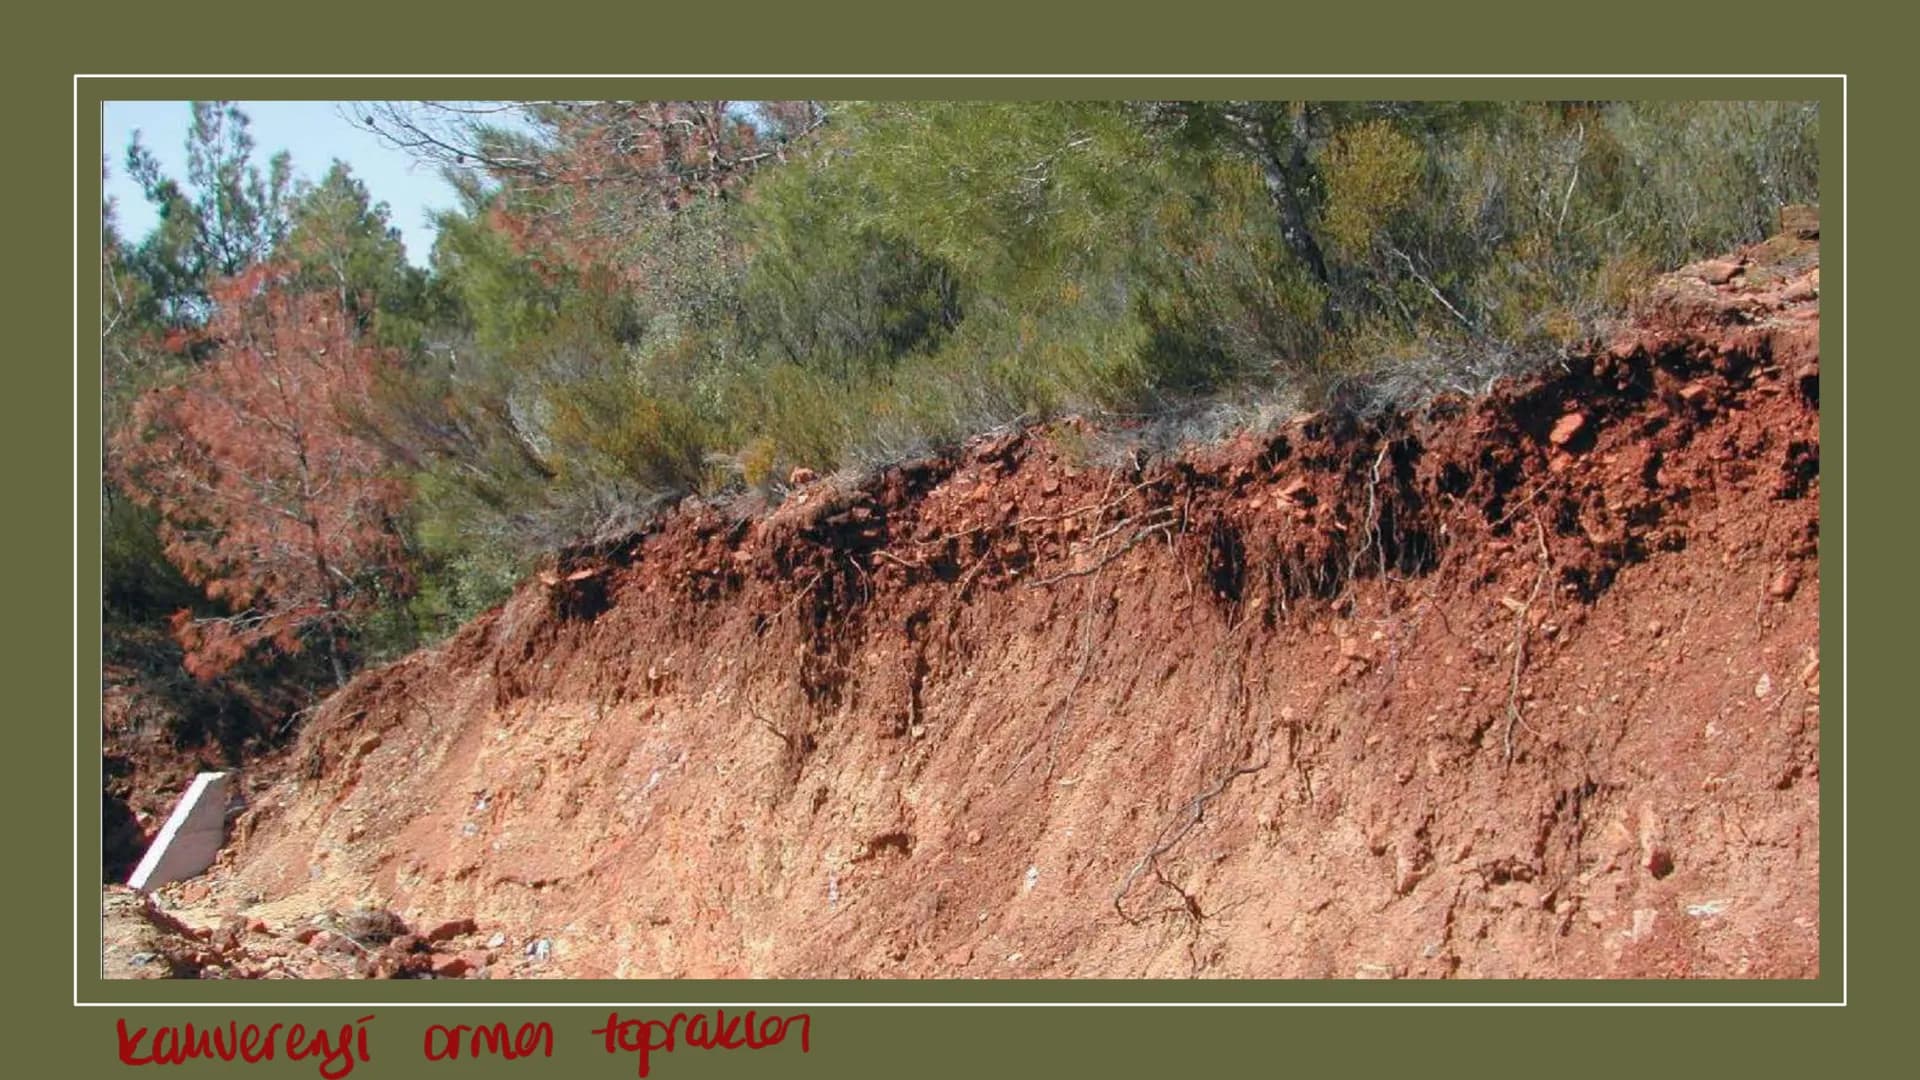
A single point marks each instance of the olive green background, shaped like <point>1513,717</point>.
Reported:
<point>52,925</point>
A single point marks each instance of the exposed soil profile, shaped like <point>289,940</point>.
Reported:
<point>1520,686</point>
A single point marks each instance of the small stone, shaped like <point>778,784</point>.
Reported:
<point>450,967</point>
<point>1567,429</point>
<point>1763,685</point>
<point>318,970</point>
<point>1655,856</point>
<point>477,958</point>
<point>1299,492</point>
<point>497,940</point>
<point>974,836</point>
<point>1693,393</point>
<point>451,929</point>
<point>960,957</point>
<point>801,475</point>
<point>1785,585</point>
<point>1718,271</point>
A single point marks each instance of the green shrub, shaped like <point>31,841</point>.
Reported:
<point>923,271</point>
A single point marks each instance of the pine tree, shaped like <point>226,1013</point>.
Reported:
<point>269,497</point>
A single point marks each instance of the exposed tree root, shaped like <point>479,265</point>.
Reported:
<point>1170,836</point>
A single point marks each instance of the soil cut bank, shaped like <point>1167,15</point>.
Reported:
<point>1519,686</point>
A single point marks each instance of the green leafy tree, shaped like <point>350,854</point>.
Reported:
<point>344,242</point>
<point>137,581</point>
<point>227,215</point>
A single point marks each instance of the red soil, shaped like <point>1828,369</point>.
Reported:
<point>1519,686</point>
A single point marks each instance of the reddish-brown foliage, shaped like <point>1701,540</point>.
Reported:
<point>269,497</point>
<point>612,168</point>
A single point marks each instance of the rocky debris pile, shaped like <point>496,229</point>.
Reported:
<point>147,940</point>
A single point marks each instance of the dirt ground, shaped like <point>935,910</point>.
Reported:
<point>1522,686</point>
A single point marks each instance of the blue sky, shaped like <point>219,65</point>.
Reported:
<point>314,133</point>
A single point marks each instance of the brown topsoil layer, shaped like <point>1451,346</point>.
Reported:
<point>1520,686</point>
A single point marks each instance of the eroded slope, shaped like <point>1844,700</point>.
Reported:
<point>1523,686</point>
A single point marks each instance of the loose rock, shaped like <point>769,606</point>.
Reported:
<point>1567,429</point>
<point>451,929</point>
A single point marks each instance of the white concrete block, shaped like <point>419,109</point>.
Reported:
<point>190,839</point>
